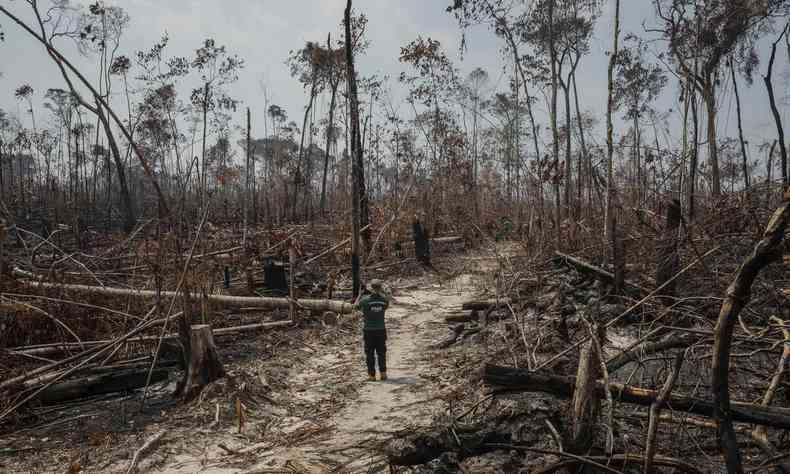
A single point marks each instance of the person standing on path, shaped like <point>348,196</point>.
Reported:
<point>373,307</point>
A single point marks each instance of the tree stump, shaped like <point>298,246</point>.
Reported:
<point>422,244</point>
<point>667,249</point>
<point>274,277</point>
<point>204,365</point>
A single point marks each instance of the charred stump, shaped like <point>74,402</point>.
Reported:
<point>667,249</point>
<point>422,243</point>
<point>204,365</point>
<point>274,277</point>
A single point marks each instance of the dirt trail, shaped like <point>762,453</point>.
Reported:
<point>329,418</point>
<point>414,323</point>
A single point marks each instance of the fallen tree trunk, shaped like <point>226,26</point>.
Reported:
<point>462,317</point>
<point>587,268</point>
<point>522,380</point>
<point>100,384</point>
<point>485,304</point>
<point>57,348</point>
<point>224,300</point>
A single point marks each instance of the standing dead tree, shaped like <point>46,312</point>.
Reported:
<point>356,152</point>
<point>767,251</point>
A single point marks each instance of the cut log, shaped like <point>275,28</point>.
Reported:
<point>462,317</point>
<point>522,380</point>
<point>122,381</point>
<point>204,364</point>
<point>342,307</point>
<point>586,268</point>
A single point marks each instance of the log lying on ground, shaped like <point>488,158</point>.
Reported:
<point>485,304</point>
<point>462,317</point>
<point>122,381</point>
<point>583,267</point>
<point>342,307</point>
<point>57,348</point>
<point>521,380</point>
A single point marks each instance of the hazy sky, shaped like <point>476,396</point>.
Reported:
<point>264,31</point>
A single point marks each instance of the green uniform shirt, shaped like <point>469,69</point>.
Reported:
<point>373,307</point>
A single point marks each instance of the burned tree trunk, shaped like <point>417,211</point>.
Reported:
<point>357,187</point>
<point>123,381</point>
<point>422,244</point>
<point>667,249</point>
<point>512,379</point>
<point>204,365</point>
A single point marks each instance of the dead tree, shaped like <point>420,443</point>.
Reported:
<point>422,244</point>
<point>356,153</point>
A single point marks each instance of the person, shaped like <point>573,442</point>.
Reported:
<point>373,307</point>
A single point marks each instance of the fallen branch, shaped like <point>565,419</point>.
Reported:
<point>138,455</point>
<point>587,268</point>
<point>522,380</point>
<point>632,355</point>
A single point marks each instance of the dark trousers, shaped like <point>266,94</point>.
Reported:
<point>376,347</point>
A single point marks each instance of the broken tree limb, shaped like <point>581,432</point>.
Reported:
<point>738,294</point>
<point>122,381</point>
<point>521,380</point>
<point>632,355</point>
<point>452,338</point>
<point>147,446</point>
<point>224,300</point>
<point>587,268</point>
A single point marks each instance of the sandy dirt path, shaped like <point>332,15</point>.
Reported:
<point>328,417</point>
<point>406,400</point>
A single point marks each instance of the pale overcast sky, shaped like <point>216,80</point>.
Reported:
<point>264,31</point>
